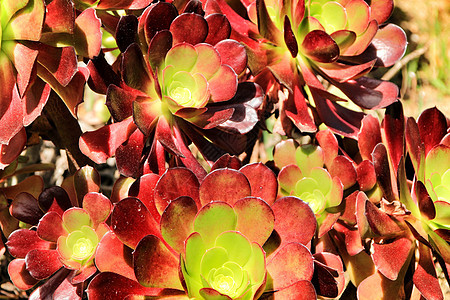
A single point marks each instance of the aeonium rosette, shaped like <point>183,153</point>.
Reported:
<point>303,175</point>
<point>176,86</point>
<point>302,44</point>
<point>219,237</point>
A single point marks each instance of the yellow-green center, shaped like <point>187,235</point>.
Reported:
<point>224,284</point>
<point>181,95</point>
<point>82,249</point>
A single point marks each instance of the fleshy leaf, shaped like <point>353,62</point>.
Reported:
<point>26,209</point>
<point>319,46</point>
<point>50,227</point>
<point>389,258</point>
<point>155,265</point>
<point>198,29</point>
<point>390,44</point>
<point>42,263</point>
<point>225,185</point>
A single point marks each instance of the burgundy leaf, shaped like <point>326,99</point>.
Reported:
<point>289,37</point>
<point>389,258</point>
<point>198,29</point>
<point>432,127</point>
<point>101,74</point>
<point>426,205</point>
<point>42,263</point>
<point>61,62</point>
<point>131,221</point>
<point>324,281</point>
<point>232,54</point>
<point>225,185</point>
<point>319,46</point>
<point>19,274</point>
<point>128,155</point>
<point>87,34</point>
<point>381,164</point>
<point>155,265</point>
<point>158,17</point>
<point>143,189</point>
<point>362,42</point>
<point>158,48</point>
<point>25,208</point>
<point>341,72</point>
<point>390,44</point>
<point>415,146</point>
<point>113,256</point>
<point>34,100</point>
<point>86,180</point>
<point>424,277</point>
<point>164,135</point>
<point>177,222</point>
<point>262,181</point>
<point>11,120</point>
<point>297,110</point>
<point>60,17</point>
<point>24,60</point>
<point>109,285</point>
<point>381,223</point>
<point>393,129</point>
<point>369,136</point>
<point>134,71</point>
<point>174,183</point>
<point>290,264</point>
<point>223,85</point>
<point>294,220</point>
<point>370,93</point>
<point>126,31</point>
<point>218,28</point>
<point>227,161</point>
<point>50,227</point>
<point>21,241</point>
<point>120,102</point>
<point>98,206</point>
<point>54,199</point>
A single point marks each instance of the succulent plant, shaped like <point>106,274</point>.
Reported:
<point>295,47</point>
<point>177,85</point>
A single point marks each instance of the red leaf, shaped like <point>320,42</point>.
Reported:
<point>156,18</point>
<point>225,185</point>
<point>289,37</point>
<point>60,17</point>
<point>290,264</point>
<point>425,278</point>
<point>343,168</point>
<point>381,163</point>
<point>11,151</point>
<point>232,54</point>
<point>369,136</point>
<point>426,205</point>
<point>176,182</point>
<point>19,275</point>
<point>129,155</point>
<point>365,175</point>
<point>319,46</point>
<point>390,44</point>
<point>54,199</point>
<point>143,189</point>
<point>131,221</point>
<point>21,241</point>
<point>294,220</point>
<point>389,258</point>
<point>218,28</point>
<point>301,290</point>
<point>381,223</point>
<point>262,181</point>
<point>432,127</point>
<point>198,29</point>
<point>42,263</point>
<point>113,256</point>
<point>50,227</point>
<point>25,208</point>
<point>155,265</point>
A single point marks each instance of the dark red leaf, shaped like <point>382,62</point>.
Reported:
<point>143,189</point>
<point>343,168</point>
<point>134,71</point>
<point>369,136</point>
<point>289,37</point>
<point>381,10</point>
<point>227,161</point>
<point>218,28</point>
<point>324,282</point>
<point>232,54</point>
<point>113,256</point>
<point>198,29</point>
<point>129,154</point>
<point>415,146</point>
<point>296,109</point>
<point>19,274</point>
<point>54,199</point>
<point>174,183</point>
<point>381,223</point>
<point>381,164</point>
<point>266,27</point>
<point>158,17</point>
<point>159,46</point>
<point>50,227</point>
<point>155,265</point>
<point>42,263</point>
<point>426,205</point>
<point>60,17</point>
<point>25,208</point>
<point>60,62</point>
<point>432,127</point>
<point>365,175</point>
<point>86,180</point>
<point>21,241</point>
<point>390,44</point>
<point>126,31</point>
<point>393,126</point>
<point>319,46</point>
<point>131,221</point>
